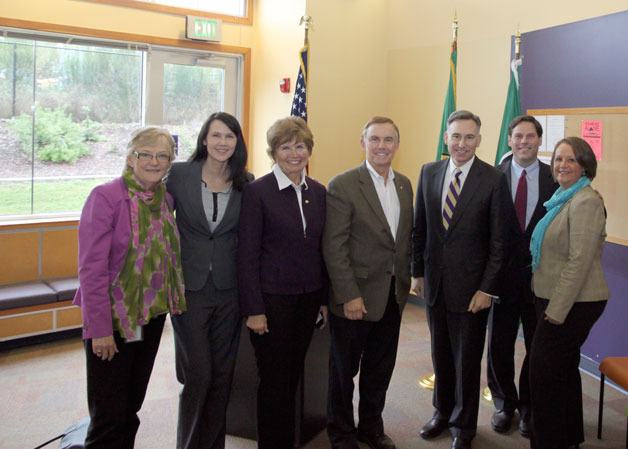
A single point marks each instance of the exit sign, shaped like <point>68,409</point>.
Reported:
<point>203,28</point>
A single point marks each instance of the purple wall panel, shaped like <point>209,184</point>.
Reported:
<point>585,64</point>
<point>609,336</point>
<point>577,65</point>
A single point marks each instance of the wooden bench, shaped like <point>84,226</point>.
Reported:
<point>38,308</point>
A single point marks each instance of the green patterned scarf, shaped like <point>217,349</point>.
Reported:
<point>150,282</point>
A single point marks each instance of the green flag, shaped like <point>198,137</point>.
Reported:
<point>511,110</point>
<point>450,102</point>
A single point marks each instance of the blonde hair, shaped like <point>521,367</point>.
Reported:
<point>149,137</point>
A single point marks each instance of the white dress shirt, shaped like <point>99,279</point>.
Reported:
<point>387,194</point>
<point>284,182</point>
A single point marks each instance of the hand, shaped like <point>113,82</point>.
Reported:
<point>354,309</point>
<point>104,347</point>
<point>417,287</point>
<point>257,323</point>
<point>325,313</point>
<point>480,301</point>
<point>552,320</point>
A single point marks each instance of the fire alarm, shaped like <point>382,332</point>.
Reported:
<point>284,85</point>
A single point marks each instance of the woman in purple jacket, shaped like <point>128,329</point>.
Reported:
<point>281,275</point>
<point>130,277</point>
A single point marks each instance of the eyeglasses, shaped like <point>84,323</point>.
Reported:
<point>146,157</point>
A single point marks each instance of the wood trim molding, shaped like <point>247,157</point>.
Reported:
<point>246,20</point>
<point>38,224</point>
<point>580,111</point>
<point>616,240</point>
<point>38,308</point>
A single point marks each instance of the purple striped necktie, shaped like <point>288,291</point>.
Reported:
<point>451,199</point>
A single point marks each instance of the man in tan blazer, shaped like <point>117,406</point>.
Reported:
<point>367,250</point>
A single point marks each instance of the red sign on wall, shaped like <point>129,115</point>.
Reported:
<point>591,131</point>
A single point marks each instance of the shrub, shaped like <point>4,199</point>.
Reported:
<point>90,131</point>
<point>57,137</point>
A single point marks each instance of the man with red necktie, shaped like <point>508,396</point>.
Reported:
<point>531,184</point>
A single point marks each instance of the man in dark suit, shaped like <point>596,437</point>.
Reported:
<point>366,246</point>
<point>458,251</point>
<point>531,184</point>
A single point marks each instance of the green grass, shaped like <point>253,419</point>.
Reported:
<point>49,196</point>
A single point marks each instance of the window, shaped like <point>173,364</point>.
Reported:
<point>67,111</point>
<point>227,7</point>
<point>235,11</point>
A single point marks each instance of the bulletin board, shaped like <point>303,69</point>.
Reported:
<point>612,170</point>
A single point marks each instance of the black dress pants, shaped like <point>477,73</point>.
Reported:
<point>503,327</point>
<point>206,344</point>
<point>280,354</point>
<point>555,384</point>
<point>370,348</point>
<point>457,348</point>
<point>116,388</point>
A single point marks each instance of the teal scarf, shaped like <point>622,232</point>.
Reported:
<point>553,206</point>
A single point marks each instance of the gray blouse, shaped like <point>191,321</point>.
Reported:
<point>214,205</point>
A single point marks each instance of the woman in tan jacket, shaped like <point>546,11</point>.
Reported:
<point>571,292</point>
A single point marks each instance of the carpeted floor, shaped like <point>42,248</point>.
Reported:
<point>43,391</point>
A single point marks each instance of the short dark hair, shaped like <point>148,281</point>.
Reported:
<point>463,115</point>
<point>380,120</point>
<point>238,174</point>
<point>288,129</point>
<point>528,119</point>
<point>583,152</point>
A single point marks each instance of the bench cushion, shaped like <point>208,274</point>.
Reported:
<point>27,294</point>
<point>64,288</point>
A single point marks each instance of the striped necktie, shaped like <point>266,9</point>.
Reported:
<point>451,199</point>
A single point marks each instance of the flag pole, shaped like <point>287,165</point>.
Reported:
<point>307,21</point>
<point>450,96</point>
<point>299,100</point>
<point>512,108</point>
<point>428,381</point>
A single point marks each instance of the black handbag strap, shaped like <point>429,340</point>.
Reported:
<point>50,441</point>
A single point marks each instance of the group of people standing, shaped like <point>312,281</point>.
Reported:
<point>205,242</point>
<point>518,243</point>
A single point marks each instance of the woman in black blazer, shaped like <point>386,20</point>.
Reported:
<point>281,275</point>
<point>207,192</point>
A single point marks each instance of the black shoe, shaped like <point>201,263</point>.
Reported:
<point>461,443</point>
<point>377,441</point>
<point>501,421</point>
<point>433,428</point>
<point>524,428</point>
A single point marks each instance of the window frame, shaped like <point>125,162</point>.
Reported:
<point>244,20</point>
<point>132,39</point>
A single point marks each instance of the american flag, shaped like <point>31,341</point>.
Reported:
<point>299,102</point>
